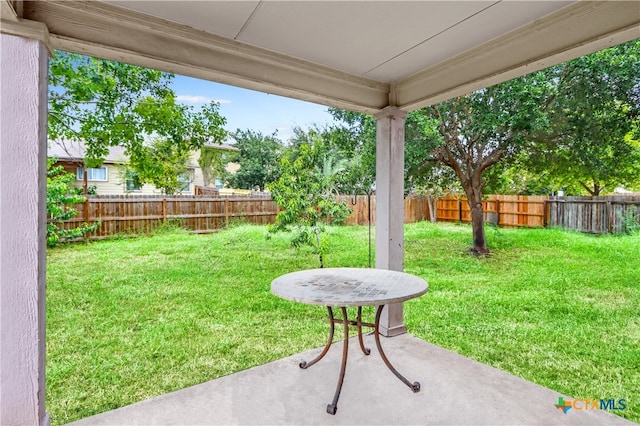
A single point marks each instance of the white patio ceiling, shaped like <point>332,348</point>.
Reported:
<point>360,55</point>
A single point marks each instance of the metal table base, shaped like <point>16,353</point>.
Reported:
<point>333,407</point>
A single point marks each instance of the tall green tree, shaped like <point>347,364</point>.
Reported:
<point>353,138</point>
<point>354,134</point>
<point>105,103</point>
<point>163,164</point>
<point>259,159</point>
<point>211,161</point>
<point>483,128</point>
<point>594,112</point>
<point>305,193</point>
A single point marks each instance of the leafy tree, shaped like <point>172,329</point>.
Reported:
<point>576,123</point>
<point>355,134</point>
<point>305,193</point>
<point>337,151</point>
<point>592,142</point>
<point>515,178</point>
<point>60,195</point>
<point>258,157</point>
<point>104,103</point>
<point>164,164</point>
<point>212,164</point>
<point>423,173</point>
<point>353,137</point>
<point>593,112</point>
<point>130,177</point>
<point>484,127</point>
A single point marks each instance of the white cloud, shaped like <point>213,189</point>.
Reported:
<point>197,99</point>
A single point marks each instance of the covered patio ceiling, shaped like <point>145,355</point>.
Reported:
<point>358,55</point>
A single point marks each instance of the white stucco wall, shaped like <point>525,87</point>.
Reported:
<point>23,146</point>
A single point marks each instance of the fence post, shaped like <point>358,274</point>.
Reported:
<point>86,214</point>
<point>459,210</point>
<point>610,217</point>
<point>226,212</point>
<point>164,210</point>
<point>497,212</point>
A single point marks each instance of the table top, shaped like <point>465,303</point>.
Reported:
<point>348,286</point>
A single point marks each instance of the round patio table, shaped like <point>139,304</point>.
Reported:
<point>350,287</point>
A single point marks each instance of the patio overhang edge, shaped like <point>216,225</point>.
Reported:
<point>109,32</point>
<point>584,27</point>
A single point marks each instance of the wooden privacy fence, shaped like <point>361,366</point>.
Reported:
<point>126,214</point>
<point>500,210</point>
<point>610,214</point>
<point>363,207</point>
<point>133,214</point>
<point>141,214</point>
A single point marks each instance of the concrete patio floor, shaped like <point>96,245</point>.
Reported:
<point>455,391</point>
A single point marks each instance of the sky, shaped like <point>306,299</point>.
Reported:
<point>248,109</point>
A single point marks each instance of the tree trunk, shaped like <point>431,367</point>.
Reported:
<point>431,202</point>
<point>596,189</point>
<point>474,198</point>
<point>320,257</point>
<point>85,181</point>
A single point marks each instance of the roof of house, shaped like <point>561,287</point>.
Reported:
<point>75,151</point>
<point>223,146</point>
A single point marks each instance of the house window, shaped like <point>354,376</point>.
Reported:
<point>186,183</point>
<point>132,182</point>
<point>95,174</point>
<point>218,183</point>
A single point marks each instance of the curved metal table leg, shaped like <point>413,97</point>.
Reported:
<point>333,407</point>
<point>365,351</point>
<point>415,386</point>
<point>305,364</point>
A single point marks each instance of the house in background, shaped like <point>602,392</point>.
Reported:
<point>112,178</point>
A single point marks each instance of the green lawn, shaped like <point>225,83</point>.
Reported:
<point>132,318</point>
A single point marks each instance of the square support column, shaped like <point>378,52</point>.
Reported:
<point>390,206</point>
<point>23,159</point>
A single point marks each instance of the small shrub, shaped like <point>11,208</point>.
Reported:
<point>60,195</point>
<point>305,193</point>
<point>630,221</point>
